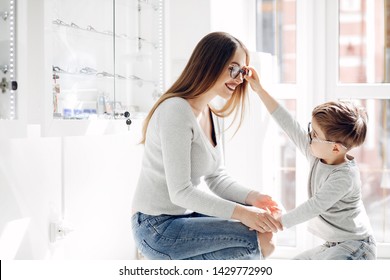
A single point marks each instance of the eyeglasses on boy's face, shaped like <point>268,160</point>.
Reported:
<point>235,70</point>
<point>315,139</point>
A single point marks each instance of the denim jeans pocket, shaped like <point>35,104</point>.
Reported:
<point>359,250</point>
<point>159,224</point>
<point>151,253</point>
<point>369,249</point>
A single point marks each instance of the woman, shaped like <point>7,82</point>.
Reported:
<point>173,219</point>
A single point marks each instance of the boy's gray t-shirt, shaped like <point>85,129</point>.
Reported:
<point>335,207</point>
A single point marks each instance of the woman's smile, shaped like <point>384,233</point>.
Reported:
<point>231,86</point>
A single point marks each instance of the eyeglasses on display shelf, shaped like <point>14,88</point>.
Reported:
<point>105,63</point>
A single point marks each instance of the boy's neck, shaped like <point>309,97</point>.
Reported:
<point>341,158</point>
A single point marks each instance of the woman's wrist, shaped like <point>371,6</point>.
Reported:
<point>238,212</point>
<point>251,198</point>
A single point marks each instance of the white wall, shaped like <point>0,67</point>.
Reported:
<point>186,23</point>
<point>101,175</point>
<point>30,185</point>
<point>235,17</point>
<point>98,175</point>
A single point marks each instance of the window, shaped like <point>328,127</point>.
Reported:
<point>276,35</point>
<point>320,51</point>
<point>374,163</point>
<point>362,56</point>
<point>363,70</point>
<point>276,46</point>
<point>357,51</point>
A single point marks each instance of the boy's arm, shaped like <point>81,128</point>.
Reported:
<point>323,201</point>
<point>290,126</point>
<point>253,78</point>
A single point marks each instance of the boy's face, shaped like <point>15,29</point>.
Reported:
<point>329,152</point>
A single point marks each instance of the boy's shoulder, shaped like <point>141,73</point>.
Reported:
<point>348,170</point>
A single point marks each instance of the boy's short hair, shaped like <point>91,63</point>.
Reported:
<point>342,122</point>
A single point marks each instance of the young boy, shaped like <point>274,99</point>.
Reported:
<point>334,207</point>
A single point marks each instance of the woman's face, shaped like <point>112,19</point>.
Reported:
<point>225,84</point>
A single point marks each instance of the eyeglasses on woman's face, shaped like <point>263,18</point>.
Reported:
<point>235,70</point>
<point>318,140</point>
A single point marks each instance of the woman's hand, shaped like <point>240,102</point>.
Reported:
<point>256,220</point>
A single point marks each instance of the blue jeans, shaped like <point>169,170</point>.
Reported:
<point>364,249</point>
<point>193,237</point>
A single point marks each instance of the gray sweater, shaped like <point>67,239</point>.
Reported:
<point>334,208</point>
<point>177,154</point>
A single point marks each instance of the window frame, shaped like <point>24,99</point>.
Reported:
<point>317,24</point>
<point>303,100</point>
<point>337,90</point>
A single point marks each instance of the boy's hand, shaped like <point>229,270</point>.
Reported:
<point>263,201</point>
<point>256,219</point>
<point>253,78</point>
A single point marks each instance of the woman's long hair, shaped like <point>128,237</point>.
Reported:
<point>209,58</point>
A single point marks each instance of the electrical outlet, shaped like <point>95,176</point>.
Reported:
<point>59,230</point>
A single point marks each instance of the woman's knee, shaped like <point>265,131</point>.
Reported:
<point>266,243</point>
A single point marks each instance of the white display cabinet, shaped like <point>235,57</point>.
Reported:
<point>8,83</point>
<point>103,63</point>
<point>11,120</point>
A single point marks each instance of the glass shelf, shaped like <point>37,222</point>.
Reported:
<point>107,62</point>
